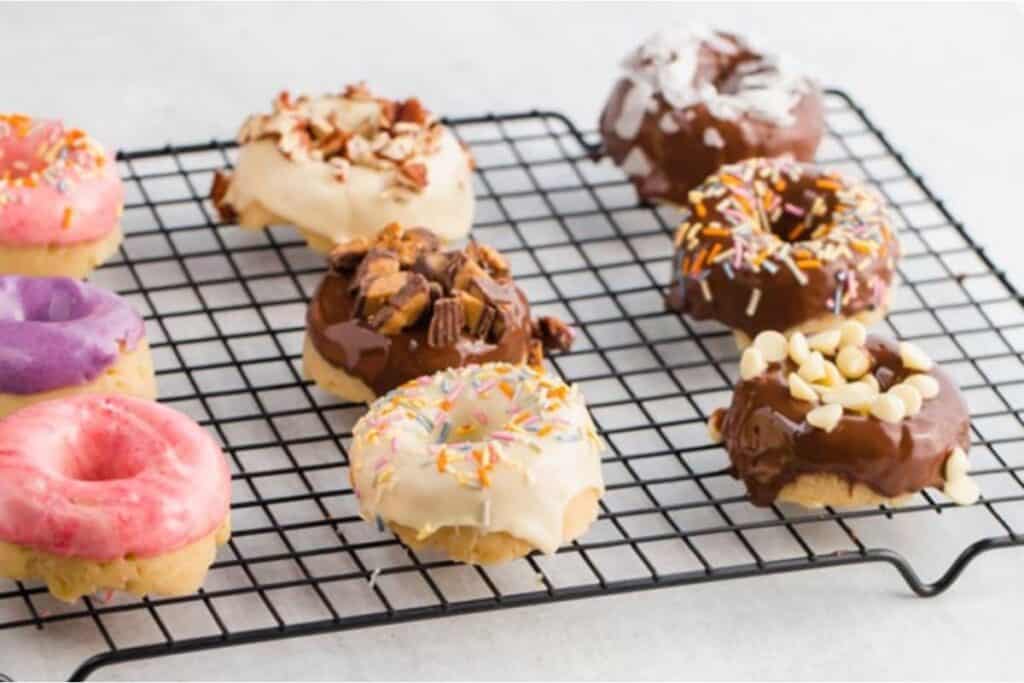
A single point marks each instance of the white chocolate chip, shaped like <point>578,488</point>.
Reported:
<point>961,489</point>
<point>910,396</point>
<point>801,390</point>
<point>926,384</point>
<point>872,382</point>
<point>855,396</point>
<point>833,377</point>
<point>914,358</point>
<point>888,408</point>
<point>853,362</point>
<point>813,368</point>
<point>752,363</point>
<point>772,345</point>
<point>798,348</point>
<point>852,333</point>
<point>825,417</point>
<point>826,341</point>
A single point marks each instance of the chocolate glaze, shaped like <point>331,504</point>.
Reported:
<point>384,362</point>
<point>785,302</point>
<point>680,160</point>
<point>770,443</point>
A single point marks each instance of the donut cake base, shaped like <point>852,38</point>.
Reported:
<point>332,379</point>
<point>818,490</point>
<point>132,374</point>
<point>172,574</point>
<point>75,261</point>
<point>467,544</point>
<point>827,321</point>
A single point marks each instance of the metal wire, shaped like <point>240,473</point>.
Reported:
<point>225,318</point>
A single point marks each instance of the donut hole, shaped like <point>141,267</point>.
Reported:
<point>476,421</point>
<point>805,208</point>
<point>105,451</point>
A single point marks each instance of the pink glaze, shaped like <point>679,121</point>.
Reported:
<point>104,477</point>
<point>57,186</point>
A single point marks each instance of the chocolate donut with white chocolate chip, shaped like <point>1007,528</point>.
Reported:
<point>397,307</point>
<point>772,244</point>
<point>692,99</point>
<point>844,419</point>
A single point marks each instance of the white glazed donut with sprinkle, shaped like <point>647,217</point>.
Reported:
<point>485,462</point>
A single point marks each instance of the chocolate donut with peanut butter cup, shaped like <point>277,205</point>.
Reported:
<point>773,244</point>
<point>397,307</point>
<point>844,419</point>
<point>692,99</point>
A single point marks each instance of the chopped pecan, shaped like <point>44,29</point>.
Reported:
<point>221,182</point>
<point>446,323</point>
<point>346,257</point>
<point>413,174</point>
<point>404,308</point>
<point>388,112</point>
<point>490,258</point>
<point>553,333</point>
<point>413,111</point>
<point>283,101</point>
<point>333,143</point>
<point>377,262</point>
<point>358,91</point>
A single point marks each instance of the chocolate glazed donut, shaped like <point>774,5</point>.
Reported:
<point>771,244</point>
<point>692,100</point>
<point>400,308</point>
<point>771,443</point>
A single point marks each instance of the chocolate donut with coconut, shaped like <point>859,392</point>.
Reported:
<point>692,99</point>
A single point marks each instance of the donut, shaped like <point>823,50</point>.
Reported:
<point>693,99</point>
<point>60,337</point>
<point>484,463</point>
<point>110,493</point>
<point>61,199</point>
<point>396,307</point>
<point>844,419</point>
<point>340,166</point>
<point>773,244</point>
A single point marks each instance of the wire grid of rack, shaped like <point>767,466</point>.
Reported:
<point>225,311</point>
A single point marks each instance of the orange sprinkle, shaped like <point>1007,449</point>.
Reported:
<point>521,417</point>
<point>730,180</point>
<point>796,232</point>
<point>861,246</point>
<point>715,232</point>
<point>698,262</point>
<point>827,184</point>
<point>478,455</point>
<point>701,211</point>
<point>559,392</point>
<point>715,248</point>
<point>743,202</point>
<point>446,405</point>
<point>485,477</point>
<point>442,460</point>
<point>761,257</point>
<point>807,264</point>
<point>685,267</point>
<point>69,214</point>
<point>544,431</point>
<point>802,254</point>
<point>502,370</point>
<point>507,389</point>
<point>780,185</point>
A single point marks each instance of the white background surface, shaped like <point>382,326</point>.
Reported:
<point>942,81</point>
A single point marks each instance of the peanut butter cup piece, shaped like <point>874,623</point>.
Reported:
<point>446,323</point>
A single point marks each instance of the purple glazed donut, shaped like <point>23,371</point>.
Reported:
<point>59,336</point>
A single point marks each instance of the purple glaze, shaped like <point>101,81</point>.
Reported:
<point>57,332</point>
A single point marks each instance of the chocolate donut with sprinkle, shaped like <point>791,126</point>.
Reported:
<point>774,244</point>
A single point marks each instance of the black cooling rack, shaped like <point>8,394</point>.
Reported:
<point>225,314</point>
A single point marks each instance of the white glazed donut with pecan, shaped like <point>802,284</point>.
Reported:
<point>340,166</point>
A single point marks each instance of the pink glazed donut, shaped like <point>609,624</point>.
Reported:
<point>61,199</point>
<point>110,492</point>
